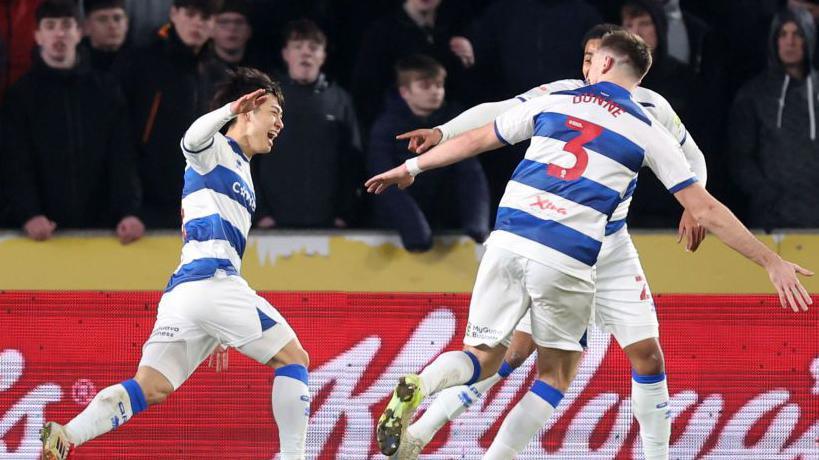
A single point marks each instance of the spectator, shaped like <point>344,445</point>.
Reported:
<point>168,85</point>
<point>146,17</point>
<point>313,178</point>
<point>652,206</point>
<point>68,161</point>
<point>231,33</point>
<point>17,26</point>
<point>105,28</point>
<point>453,197</point>
<point>773,130</point>
<point>813,8</point>
<point>416,27</point>
<point>519,44</point>
<point>685,34</point>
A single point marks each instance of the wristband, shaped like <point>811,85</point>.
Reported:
<point>412,166</point>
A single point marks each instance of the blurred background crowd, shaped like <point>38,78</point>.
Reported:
<point>96,95</point>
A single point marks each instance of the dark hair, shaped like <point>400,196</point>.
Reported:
<point>236,6</point>
<point>242,81</point>
<point>631,47</point>
<point>57,9</point>
<point>89,6</point>
<point>417,67</point>
<point>207,7</point>
<point>632,9</point>
<point>598,32</point>
<point>304,29</point>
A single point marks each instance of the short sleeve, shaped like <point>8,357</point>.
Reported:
<point>549,88</point>
<point>204,158</point>
<point>517,124</point>
<point>666,159</point>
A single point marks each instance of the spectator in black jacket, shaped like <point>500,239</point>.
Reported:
<point>68,160</point>
<point>813,8</point>
<point>519,44</point>
<point>105,27</point>
<point>418,26</point>
<point>231,32</point>
<point>168,85</point>
<point>455,197</point>
<point>773,130</point>
<point>652,206</point>
<point>313,178</point>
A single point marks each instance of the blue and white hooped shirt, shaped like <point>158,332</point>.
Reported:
<point>218,202</point>
<point>588,144</point>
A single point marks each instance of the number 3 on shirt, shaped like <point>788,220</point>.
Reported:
<point>588,132</point>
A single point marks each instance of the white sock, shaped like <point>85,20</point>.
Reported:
<point>451,403</point>
<point>450,369</point>
<point>109,409</point>
<point>291,410</point>
<point>524,420</point>
<point>649,402</point>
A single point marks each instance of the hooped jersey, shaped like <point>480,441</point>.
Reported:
<point>587,146</point>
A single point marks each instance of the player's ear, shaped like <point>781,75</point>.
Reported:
<point>608,63</point>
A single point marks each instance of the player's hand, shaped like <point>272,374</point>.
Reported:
<point>421,140</point>
<point>130,229</point>
<point>266,222</point>
<point>396,176</point>
<point>691,231</point>
<point>39,228</point>
<point>791,292</point>
<point>249,102</point>
<point>462,47</point>
<point>219,358</point>
<point>338,222</point>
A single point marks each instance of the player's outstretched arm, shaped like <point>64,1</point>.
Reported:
<point>421,140</point>
<point>720,221</point>
<point>199,135</point>
<point>462,147</point>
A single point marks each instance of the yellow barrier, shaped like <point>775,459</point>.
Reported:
<point>361,261</point>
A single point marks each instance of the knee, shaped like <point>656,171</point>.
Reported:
<point>650,363</point>
<point>515,358</point>
<point>155,391</point>
<point>303,358</point>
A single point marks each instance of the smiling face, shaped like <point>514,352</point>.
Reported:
<point>601,62</point>
<point>588,52</point>
<point>304,59</point>
<point>264,124</point>
<point>58,39</point>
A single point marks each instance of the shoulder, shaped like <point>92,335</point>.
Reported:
<point>653,102</point>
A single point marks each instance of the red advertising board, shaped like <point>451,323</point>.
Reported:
<point>743,375</point>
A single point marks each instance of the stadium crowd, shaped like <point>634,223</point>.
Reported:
<point>96,96</point>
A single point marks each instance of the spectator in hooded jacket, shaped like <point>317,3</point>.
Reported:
<point>813,8</point>
<point>105,27</point>
<point>455,197</point>
<point>67,159</point>
<point>313,178</point>
<point>773,130</point>
<point>168,85</point>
